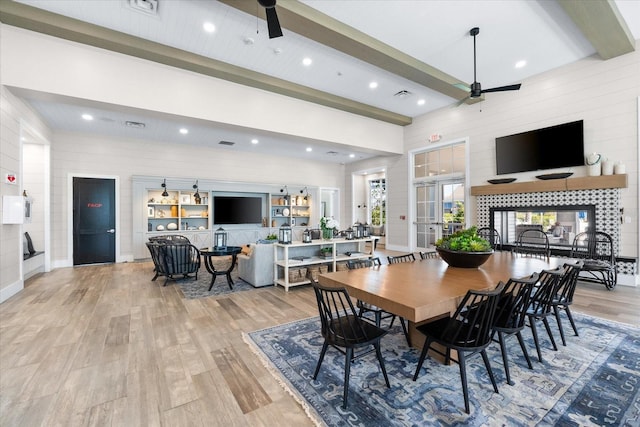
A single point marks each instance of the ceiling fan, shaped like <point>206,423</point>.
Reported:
<point>475,90</point>
<point>273,24</point>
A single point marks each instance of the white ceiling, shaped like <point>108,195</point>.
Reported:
<point>434,32</point>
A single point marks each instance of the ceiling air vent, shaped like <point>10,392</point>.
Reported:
<point>137,125</point>
<point>332,153</point>
<point>149,7</point>
<point>403,94</point>
<point>226,143</point>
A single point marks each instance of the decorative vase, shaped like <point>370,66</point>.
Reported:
<point>464,259</point>
<point>327,233</point>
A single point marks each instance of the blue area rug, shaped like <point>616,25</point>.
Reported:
<point>595,380</point>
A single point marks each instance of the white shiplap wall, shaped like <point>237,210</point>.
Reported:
<point>85,154</point>
<point>602,93</point>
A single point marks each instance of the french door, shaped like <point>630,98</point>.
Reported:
<point>440,207</point>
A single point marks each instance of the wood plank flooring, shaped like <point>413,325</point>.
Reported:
<point>103,345</point>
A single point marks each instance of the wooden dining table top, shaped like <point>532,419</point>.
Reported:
<point>424,289</point>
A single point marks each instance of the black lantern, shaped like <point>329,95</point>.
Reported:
<point>306,236</point>
<point>220,239</point>
<point>348,234</point>
<point>366,230</point>
<point>358,230</point>
<point>284,234</point>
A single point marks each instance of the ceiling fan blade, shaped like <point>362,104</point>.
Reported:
<point>502,88</point>
<point>463,87</point>
<point>273,23</point>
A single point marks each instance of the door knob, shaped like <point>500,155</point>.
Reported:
<point>112,230</point>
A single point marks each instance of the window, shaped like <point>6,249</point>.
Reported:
<point>378,201</point>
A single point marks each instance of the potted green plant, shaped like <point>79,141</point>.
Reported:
<point>464,248</point>
<point>326,251</point>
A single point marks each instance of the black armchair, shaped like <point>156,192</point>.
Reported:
<point>596,250</point>
<point>174,259</point>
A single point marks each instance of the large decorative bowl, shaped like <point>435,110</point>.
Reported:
<point>464,259</point>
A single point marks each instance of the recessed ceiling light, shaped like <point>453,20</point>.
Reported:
<point>309,149</point>
<point>373,85</point>
<point>254,141</point>
<point>421,101</point>
<point>87,117</point>
<point>209,27</point>
<point>521,64</point>
<point>352,155</point>
<point>306,62</point>
<point>184,131</point>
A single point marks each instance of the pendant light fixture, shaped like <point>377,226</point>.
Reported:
<point>164,185</point>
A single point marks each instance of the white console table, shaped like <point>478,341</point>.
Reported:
<point>298,254</point>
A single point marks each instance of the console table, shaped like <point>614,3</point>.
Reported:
<point>298,254</point>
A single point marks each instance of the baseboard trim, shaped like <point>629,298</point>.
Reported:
<point>9,291</point>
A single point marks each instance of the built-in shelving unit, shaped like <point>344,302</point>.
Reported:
<point>566,184</point>
<point>292,210</point>
<point>179,211</point>
<point>298,255</point>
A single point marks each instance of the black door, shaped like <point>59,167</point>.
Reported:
<point>94,221</point>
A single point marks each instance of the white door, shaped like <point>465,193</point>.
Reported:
<point>439,211</point>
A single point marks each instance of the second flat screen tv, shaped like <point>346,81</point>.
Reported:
<point>237,210</point>
<point>560,146</point>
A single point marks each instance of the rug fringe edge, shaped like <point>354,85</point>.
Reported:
<point>309,411</point>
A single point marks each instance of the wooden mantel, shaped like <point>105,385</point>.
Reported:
<point>566,184</point>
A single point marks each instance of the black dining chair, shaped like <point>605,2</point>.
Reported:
<point>540,306</point>
<point>564,295</point>
<point>429,255</point>
<point>344,330</point>
<point>596,250</point>
<point>365,308</point>
<point>511,316</point>
<point>468,332</point>
<point>401,258</point>
<point>492,235</point>
<point>532,243</point>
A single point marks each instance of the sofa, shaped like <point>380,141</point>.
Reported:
<point>255,264</point>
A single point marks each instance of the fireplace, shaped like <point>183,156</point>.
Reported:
<point>604,203</point>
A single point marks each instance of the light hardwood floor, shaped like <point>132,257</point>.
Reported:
<point>103,345</point>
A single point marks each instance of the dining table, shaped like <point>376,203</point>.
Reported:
<point>427,289</point>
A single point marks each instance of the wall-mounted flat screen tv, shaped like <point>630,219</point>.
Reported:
<point>237,210</point>
<point>560,146</point>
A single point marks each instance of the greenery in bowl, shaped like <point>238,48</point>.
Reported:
<point>326,251</point>
<point>466,240</point>
<point>272,237</point>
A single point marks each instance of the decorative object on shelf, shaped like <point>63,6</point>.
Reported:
<point>607,166</point>
<point>174,211</point>
<point>284,234</point>
<point>501,180</point>
<point>366,230</point>
<point>185,199</point>
<point>160,213</point>
<point>151,211</point>
<point>306,236</point>
<point>149,226</point>
<point>357,230</point>
<point>464,248</point>
<point>196,196</point>
<point>204,213</point>
<point>593,164</point>
<point>348,234</point>
<point>273,223</point>
<point>202,227</point>
<point>285,212</point>
<point>160,227</point>
<point>326,252</point>
<point>172,226</point>
<point>164,186</point>
<point>328,227</point>
<point>619,168</point>
<point>220,238</point>
<point>559,175</point>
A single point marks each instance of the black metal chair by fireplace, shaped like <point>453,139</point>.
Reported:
<point>492,235</point>
<point>534,243</point>
<point>596,249</point>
